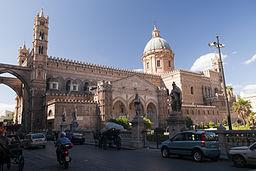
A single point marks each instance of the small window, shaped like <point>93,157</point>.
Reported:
<point>147,65</point>
<point>198,112</point>
<point>170,64</point>
<point>158,63</point>
<point>208,112</point>
<point>192,111</point>
<point>54,85</point>
<point>192,90</point>
<point>75,87</point>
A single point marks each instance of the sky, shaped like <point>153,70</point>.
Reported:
<point>115,32</point>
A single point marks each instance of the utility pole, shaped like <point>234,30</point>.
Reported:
<point>218,45</point>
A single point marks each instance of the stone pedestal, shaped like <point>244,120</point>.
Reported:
<point>176,123</point>
<point>138,128</point>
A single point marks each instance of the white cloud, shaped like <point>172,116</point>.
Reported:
<point>4,107</point>
<point>138,70</point>
<point>252,59</point>
<point>204,62</point>
<point>248,90</point>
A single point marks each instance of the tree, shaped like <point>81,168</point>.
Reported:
<point>189,122</point>
<point>242,108</point>
<point>147,122</point>
<point>211,124</point>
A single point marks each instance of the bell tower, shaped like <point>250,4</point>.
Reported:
<point>38,76</point>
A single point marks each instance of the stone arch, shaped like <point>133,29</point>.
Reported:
<point>23,75</point>
<point>151,113</point>
<point>119,108</point>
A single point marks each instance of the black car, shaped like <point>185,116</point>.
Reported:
<point>77,138</point>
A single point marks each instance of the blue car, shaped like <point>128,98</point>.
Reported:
<point>195,143</point>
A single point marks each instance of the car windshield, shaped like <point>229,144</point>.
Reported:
<point>36,136</point>
<point>211,136</point>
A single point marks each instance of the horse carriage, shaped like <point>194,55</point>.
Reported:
<point>109,136</point>
<point>12,154</point>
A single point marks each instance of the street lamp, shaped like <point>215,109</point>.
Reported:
<point>218,45</point>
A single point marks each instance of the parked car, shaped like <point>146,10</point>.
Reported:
<point>195,143</point>
<point>241,156</point>
<point>34,140</point>
<point>77,138</point>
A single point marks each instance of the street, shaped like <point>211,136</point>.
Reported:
<point>89,157</point>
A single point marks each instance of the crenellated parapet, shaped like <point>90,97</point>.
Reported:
<point>78,65</point>
<point>71,101</point>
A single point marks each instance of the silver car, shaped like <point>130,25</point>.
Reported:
<point>244,155</point>
<point>34,140</point>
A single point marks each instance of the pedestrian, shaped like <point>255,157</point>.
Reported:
<point>4,150</point>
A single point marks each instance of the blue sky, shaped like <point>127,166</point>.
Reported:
<point>115,32</point>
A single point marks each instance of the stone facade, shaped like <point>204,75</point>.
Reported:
<point>57,84</point>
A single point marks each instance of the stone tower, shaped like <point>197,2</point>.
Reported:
<point>23,55</point>
<point>157,57</point>
<point>38,63</point>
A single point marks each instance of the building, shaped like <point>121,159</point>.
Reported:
<point>94,93</point>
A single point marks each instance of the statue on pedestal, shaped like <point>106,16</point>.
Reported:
<point>137,104</point>
<point>176,98</point>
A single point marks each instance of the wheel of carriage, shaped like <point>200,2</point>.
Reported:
<point>118,143</point>
<point>104,142</point>
<point>21,163</point>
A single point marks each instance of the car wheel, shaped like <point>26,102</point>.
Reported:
<point>197,156</point>
<point>43,146</point>
<point>239,161</point>
<point>165,152</point>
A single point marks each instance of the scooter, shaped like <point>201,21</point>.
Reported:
<point>64,159</point>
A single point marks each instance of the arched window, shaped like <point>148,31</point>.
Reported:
<point>192,90</point>
<point>86,86</point>
<point>68,85</point>
<point>41,36</point>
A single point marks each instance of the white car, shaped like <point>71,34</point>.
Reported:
<point>242,156</point>
<point>34,140</point>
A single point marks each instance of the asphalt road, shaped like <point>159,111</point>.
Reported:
<point>88,157</point>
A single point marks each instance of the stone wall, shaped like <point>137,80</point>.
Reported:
<point>87,116</point>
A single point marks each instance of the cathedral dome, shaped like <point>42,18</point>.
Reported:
<point>156,42</point>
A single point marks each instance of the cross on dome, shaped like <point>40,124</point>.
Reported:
<point>155,32</point>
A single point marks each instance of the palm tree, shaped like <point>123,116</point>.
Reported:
<point>242,108</point>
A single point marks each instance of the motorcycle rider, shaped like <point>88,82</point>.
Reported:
<point>63,140</point>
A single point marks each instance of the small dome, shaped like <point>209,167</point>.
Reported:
<point>156,42</point>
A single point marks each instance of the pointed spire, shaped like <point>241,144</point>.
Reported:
<point>155,32</point>
<point>41,14</point>
<point>24,45</point>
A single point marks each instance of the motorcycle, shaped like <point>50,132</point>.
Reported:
<point>64,159</point>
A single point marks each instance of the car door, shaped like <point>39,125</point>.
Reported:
<point>176,145</point>
<point>251,154</point>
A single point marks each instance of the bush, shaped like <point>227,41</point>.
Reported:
<point>148,123</point>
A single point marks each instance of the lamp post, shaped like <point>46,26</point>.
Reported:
<point>218,45</point>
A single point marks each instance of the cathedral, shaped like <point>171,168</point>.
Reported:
<point>97,93</point>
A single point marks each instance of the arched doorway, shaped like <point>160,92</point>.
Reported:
<point>119,109</point>
<point>152,114</point>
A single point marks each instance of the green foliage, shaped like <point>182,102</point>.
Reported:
<point>147,122</point>
<point>122,120</point>
<point>243,108</point>
<point>189,122</point>
<point>211,124</point>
